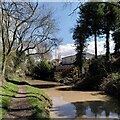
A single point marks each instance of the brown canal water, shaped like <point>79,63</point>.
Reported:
<point>68,103</point>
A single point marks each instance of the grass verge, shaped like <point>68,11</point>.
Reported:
<point>40,103</point>
<point>7,91</point>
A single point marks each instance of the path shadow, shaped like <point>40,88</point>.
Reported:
<point>67,89</point>
<point>17,82</point>
<point>71,88</point>
<point>19,109</point>
<point>45,86</point>
<point>7,95</point>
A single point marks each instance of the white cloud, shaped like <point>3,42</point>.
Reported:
<point>100,47</point>
<point>64,50</point>
<point>69,49</point>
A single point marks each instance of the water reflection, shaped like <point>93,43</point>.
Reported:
<point>98,109</point>
<point>62,108</point>
<point>91,109</point>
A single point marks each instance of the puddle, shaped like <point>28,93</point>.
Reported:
<point>91,109</point>
<point>62,109</point>
<point>98,109</point>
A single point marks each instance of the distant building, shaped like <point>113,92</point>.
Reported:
<point>68,62</point>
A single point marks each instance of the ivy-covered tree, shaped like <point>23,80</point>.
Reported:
<point>91,14</point>
<point>88,24</point>
<point>79,37</point>
<point>116,33</point>
<point>109,22</point>
<point>116,38</point>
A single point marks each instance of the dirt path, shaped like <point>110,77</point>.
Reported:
<point>68,103</point>
<point>19,107</point>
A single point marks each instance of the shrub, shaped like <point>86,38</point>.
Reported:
<point>93,78</point>
<point>111,84</point>
<point>87,84</point>
<point>30,65</point>
<point>97,71</point>
<point>97,68</point>
<point>67,72</point>
<point>116,64</point>
<point>43,70</point>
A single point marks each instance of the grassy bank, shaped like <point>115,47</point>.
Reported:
<point>40,103</point>
<point>7,91</point>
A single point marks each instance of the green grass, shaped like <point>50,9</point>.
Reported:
<point>7,91</point>
<point>40,103</point>
<point>2,113</point>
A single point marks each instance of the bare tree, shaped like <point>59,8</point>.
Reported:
<point>24,27</point>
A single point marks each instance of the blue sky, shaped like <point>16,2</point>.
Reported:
<point>65,22</point>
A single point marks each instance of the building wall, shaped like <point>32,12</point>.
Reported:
<point>67,63</point>
<point>68,60</point>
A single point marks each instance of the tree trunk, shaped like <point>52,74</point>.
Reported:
<point>95,37</point>
<point>80,63</point>
<point>3,66</point>
<point>3,45</point>
<point>107,46</point>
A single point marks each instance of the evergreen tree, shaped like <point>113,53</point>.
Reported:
<point>116,38</point>
<point>109,22</point>
<point>79,35</point>
<point>91,14</point>
<point>116,33</point>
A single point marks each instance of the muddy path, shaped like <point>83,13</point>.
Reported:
<point>20,107</point>
<point>68,103</point>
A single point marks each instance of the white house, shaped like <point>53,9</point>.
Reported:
<point>68,60</point>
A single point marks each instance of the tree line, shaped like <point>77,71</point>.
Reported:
<point>96,19</point>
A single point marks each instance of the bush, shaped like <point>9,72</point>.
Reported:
<point>67,72</point>
<point>97,70</point>
<point>30,65</point>
<point>87,84</point>
<point>43,70</point>
<point>67,81</point>
<point>116,64</point>
<point>93,78</point>
<point>111,84</point>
